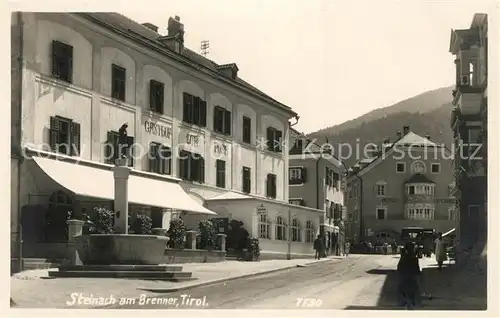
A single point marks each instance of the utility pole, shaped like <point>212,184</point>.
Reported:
<point>205,45</point>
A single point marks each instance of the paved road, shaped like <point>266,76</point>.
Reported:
<point>328,285</point>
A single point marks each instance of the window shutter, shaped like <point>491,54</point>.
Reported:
<point>203,113</point>
<point>274,186</point>
<point>268,186</point>
<point>304,175</point>
<point>167,162</point>
<point>70,63</point>
<point>182,165</point>
<point>201,170</point>
<point>187,107</point>
<point>279,141</point>
<point>152,96</point>
<point>227,122</point>
<point>75,136</point>
<point>152,157</point>
<point>55,71</point>
<point>54,130</point>
<point>270,138</point>
<point>216,117</point>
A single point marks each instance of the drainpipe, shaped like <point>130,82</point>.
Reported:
<point>20,60</point>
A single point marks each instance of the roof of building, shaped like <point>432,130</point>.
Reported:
<point>142,32</point>
<point>419,178</point>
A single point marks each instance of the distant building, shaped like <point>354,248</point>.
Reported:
<point>469,125</point>
<point>317,180</point>
<point>405,182</point>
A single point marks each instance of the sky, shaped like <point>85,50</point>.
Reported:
<point>331,61</point>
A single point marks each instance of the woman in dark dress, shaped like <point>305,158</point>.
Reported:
<point>409,271</point>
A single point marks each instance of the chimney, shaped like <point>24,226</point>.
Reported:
<point>428,137</point>
<point>398,133</point>
<point>406,129</point>
<point>229,70</point>
<point>174,40</point>
<point>151,26</point>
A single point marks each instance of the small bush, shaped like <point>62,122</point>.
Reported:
<point>142,224</point>
<point>101,221</point>
<point>253,249</point>
<point>208,234</point>
<point>176,233</point>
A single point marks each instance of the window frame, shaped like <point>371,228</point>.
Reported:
<point>264,227</point>
<point>380,208</point>
<point>158,89</point>
<point>295,181</point>
<point>271,185</point>
<point>281,228</point>
<point>383,186</point>
<point>296,230</point>
<point>244,184</point>
<point>62,55</point>
<point>194,110</point>
<point>246,136</point>
<point>310,232</point>
<point>220,173</point>
<point>404,167</point>
<point>434,164</point>
<point>157,164</point>
<point>118,85</point>
<point>73,138</point>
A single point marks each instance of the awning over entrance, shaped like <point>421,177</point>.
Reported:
<point>95,182</point>
<point>448,233</point>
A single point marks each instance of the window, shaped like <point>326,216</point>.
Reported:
<point>473,142</point>
<point>194,110</point>
<point>296,231</point>
<point>420,212</point>
<point>222,121</point>
<point>381,213</point>
<point>247,130</point>
<point>191,166</point>
<point>435,168</point>
<point>297,202</point>
<point>221,173</point>
<point>113,150</point>
<point>62,61</point>
<point>332,178</point>
<point>298,146</point>
<point>418,167</point>
<point>264,228</point>
<point>380,188</point>
<point>421,189</point>
<point>280,228</point>
<point>160,159</point>
<point>400,167</point>
<point>156,93</point>
<point>310,232</point>
<point>296,175</point>
<point>64,136</point>
<point>118,76</point>
<point>271,186</point>
<point>274,139</point>
<point>247,180</point>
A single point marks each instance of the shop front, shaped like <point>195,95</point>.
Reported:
<point>55,187</point>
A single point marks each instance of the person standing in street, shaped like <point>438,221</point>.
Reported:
<point>440,251</point>
<point>318,247</point>
<point>346,248</point>
<point>409,271</point>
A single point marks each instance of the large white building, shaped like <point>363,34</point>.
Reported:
<point>78,77</point>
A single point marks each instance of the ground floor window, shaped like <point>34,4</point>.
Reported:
<point>309,232</point>
<point>296,237</point>
<point>280,228</point>
<point>264,228</point>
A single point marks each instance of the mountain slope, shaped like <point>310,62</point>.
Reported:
<point>426,114</point>
<point>422,103</point>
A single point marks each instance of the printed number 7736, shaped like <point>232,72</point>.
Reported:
<point>309,302</point>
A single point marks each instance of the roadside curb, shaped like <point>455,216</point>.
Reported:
<point>223,280</point>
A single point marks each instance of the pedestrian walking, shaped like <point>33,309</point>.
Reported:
<point>440,251</point>
<point>347,248</point>
<point>318,247</point>
<point>409,272</point>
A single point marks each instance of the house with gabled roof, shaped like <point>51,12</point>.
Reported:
<point>403,182</point>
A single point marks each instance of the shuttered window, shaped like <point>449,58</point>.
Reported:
<point>64,136</point>
<point>62,61</point>
<point>194,110</point>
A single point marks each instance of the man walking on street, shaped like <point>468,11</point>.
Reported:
<point>440,251</point>
<point>318,247</point>
<point>347,247</point>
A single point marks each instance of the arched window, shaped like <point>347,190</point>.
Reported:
<point>296,237</point>
<point>264,229</point>
<point>280,228</point>
<point>309,232</point>
<point>418,167</point>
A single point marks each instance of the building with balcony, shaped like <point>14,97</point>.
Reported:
<point>401,183</point>
<point>201,142</point>
<point>469,125</point>
<point>316,180</point>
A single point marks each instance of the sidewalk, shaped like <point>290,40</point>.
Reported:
<point>31,289</point>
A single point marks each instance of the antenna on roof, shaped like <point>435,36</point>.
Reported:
<point>205,45</point>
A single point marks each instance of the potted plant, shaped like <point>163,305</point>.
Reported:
<point>208,235</point>
<point>142,224</point>
<point>176,233</point>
